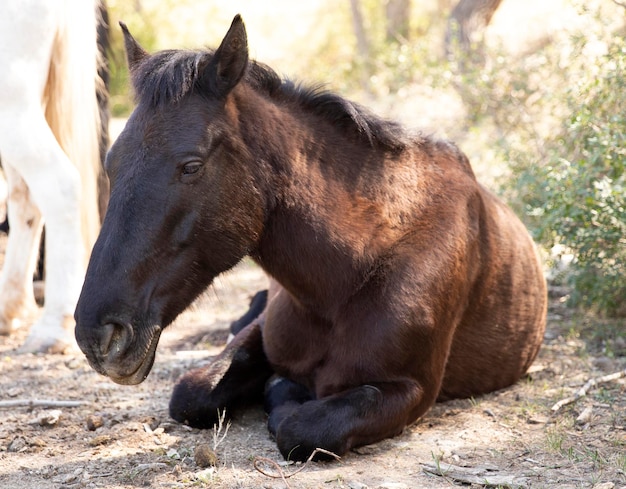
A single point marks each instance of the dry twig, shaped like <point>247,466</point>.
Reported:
<point>220,430</point>
<point>280,473</point>
<point>482,476</point>
<point>582,392</point>
<point>42,403</point>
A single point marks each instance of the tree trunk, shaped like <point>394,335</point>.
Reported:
<point>466,24</point>
<point>362,43</point>
<point>398,13</point>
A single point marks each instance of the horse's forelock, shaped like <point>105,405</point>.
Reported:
<point>168,76</point>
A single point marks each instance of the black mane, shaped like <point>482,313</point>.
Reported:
<point>168,76</point>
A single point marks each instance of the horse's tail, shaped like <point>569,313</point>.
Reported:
<point>72,103</point>
<point>104,44</point>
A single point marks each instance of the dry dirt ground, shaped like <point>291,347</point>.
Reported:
<point>510,438</point>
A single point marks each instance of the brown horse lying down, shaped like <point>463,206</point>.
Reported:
<point>399,280</point>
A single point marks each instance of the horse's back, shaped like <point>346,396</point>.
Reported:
<point>502,328</point>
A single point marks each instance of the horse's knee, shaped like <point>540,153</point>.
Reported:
<point>200,396</point>
<point>192,402</point>
<point>236,377</point>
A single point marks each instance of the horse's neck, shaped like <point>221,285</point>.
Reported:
<point>329,204</point>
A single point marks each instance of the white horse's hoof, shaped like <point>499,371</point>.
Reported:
<point>26,316</point>
<point>48,337</point>
<point>34,344</point>
<point>7,326</point>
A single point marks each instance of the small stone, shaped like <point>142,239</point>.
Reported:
<point>37,442</point>
<point>100,440</point>
<point>17,444</point>
<point>206,476</point>
<point>366,449</point>
<point>168,427</point>
<point>603,363</point>
<point>204,456</point>
<point>585,416</point>
<point>94,422</point>
<point>50,417</point>
<point>356,485</point>
<point>150,424</point>
<point>74,363</point>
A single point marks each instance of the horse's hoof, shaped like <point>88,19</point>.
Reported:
<point>35,344</point>
<point>9,326</point>
<point>45,337</point>
<point>298,438</point>
<point>17,316</point>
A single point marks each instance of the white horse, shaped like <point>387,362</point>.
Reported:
<point>49,148</point>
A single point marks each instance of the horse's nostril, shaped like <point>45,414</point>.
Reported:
<point>113,338</point>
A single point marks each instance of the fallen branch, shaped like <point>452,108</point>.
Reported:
<point>41,403</point>
<point>277,468</point>
<point>582,392</point>
<point>483,476</point>
<point>280,473</point>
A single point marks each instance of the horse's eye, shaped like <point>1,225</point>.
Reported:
<point>191,167</point>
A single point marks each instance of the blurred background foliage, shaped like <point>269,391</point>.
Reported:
<point>533,91</point>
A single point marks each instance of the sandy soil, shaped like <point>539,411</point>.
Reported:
<point>509,438</point>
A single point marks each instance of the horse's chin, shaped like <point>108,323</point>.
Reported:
<point>138,376</point>
<point>140,370</point>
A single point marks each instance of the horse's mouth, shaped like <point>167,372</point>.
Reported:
<point>126,367</point>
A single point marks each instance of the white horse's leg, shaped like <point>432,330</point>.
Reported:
<point>17,304</point>
<point>54,185</point>
<point>64,260</point>
<point>47,112</point>
<point>25,62</point>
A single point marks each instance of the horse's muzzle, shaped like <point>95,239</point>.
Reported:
<point>117,351</point>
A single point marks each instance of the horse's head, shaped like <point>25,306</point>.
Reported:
<point>184,205</point>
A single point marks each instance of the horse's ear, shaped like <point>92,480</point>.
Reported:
<point>134,52</point>
<point>229,61</point>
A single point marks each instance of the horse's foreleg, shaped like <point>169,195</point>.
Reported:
<point>64,263</point>
<point>258,303</point>
<point>54,186</point>
<point>282,396</point>
<point>337,423</point>
<point>17,303</point>
<point>236,377</point>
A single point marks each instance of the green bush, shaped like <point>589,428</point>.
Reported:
<point>573,191</point>
<point>586,187</point>
<point>557,116</point>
